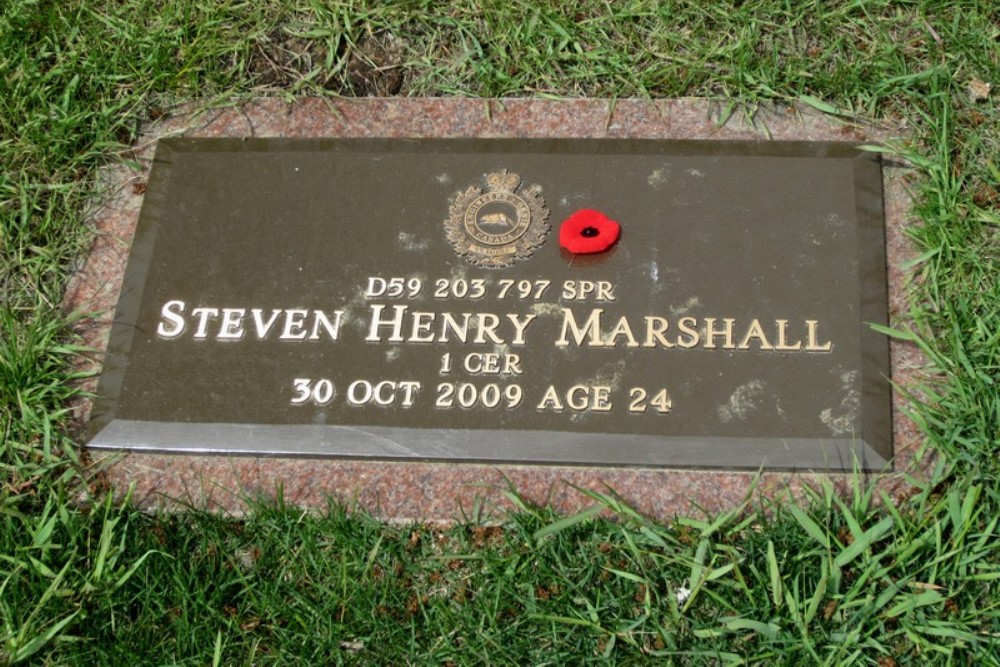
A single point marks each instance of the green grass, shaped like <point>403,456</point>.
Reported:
<point>830,581</point>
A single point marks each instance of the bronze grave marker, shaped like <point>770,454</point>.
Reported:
<point>409,300</point>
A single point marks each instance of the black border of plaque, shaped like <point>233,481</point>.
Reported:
<point>869,449</point>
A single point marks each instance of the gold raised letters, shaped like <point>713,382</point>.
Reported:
<point>709,333</point>
<point>755,332</point>
<point>440,327</point>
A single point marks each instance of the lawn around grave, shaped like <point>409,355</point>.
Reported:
<point>85,579</point>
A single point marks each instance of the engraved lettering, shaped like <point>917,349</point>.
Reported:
<point>408,387</point>
<point>474,362</point>
<point>332,328</point>
<point>622,329</point>
<point>813,345</point>
<point>261,326</point>
<point>421,332</point>
<point>755,332</point>
<point>171,313</point>
<point>488,329</point>
<point>591,329</point>
<point>295,320</point>
<point>489,363</point>
<point>232,323</point>
<point>376,287</point>
<point>581,290</point>
<point>398,324</point>
<point>600,401</point>
<point>395,322</point>
<point>428,327</point>
<point>352,392</point>
<point>581,397</point>
<point>605,291</point>
<point>385,393</point>
<point>686,325</point>
<point>550,401</point>
<point>578,397</point>
<point>461,330</point>
<point>638,400</point>
<point>655,328</point>
<point>711,332</point>
<point>512,364</point>
<point>782,344</point>
<point>204,315</point>
<point>519,326</point>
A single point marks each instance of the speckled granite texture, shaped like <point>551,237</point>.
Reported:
<point>444,491</point>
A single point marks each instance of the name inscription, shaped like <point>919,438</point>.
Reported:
<point>396,324</point>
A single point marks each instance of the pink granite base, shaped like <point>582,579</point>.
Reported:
<point>448,491</point>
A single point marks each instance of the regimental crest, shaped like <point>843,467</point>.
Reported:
<point>497,225</point>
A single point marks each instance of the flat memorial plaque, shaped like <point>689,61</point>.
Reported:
<point>409,299</point>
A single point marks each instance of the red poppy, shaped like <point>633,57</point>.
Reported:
<point>588,231</point>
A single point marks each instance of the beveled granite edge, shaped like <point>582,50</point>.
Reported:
<point>446,491</point>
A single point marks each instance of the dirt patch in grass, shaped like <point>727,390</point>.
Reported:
<point>280,59</point>
<point>374,66</point>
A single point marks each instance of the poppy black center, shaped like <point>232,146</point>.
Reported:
<point>589,232</point>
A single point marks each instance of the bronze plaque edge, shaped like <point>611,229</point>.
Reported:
<point>488,446</point>
<point>876,399</point>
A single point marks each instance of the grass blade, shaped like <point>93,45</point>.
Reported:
<point>811,527</point>
<point>562,524</point>
<point>861,544</point>
<point>36,644</point>
<point>775,573</point>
